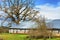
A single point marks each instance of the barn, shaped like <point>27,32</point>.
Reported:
<point>18,30</point>
<point>24,29</point>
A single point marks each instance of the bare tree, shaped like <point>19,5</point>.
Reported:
<point>41,30</point>
<point>18,10</point>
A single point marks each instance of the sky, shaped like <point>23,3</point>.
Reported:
<point>49,8</point>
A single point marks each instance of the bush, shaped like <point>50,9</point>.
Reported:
<point>4,30</point>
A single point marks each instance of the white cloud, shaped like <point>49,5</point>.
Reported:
<point>3,14</point>
<point>49,11</point>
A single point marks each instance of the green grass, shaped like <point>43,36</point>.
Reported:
<point>12,36</point>
<point>7,36</point>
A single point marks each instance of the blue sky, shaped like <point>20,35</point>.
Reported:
<point>52,2</point>
<point>49,8</point>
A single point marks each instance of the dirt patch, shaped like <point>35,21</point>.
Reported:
<point>1,39</point>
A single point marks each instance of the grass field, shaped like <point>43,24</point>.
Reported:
<point>6,36</point>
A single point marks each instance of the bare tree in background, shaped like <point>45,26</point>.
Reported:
<point>18,10</point>
<point>41,31</point>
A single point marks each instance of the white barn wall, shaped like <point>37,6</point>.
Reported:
<point>14,31</point>
<point>10,30</point>
<point>54,32</point>
<point>18,31</point>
